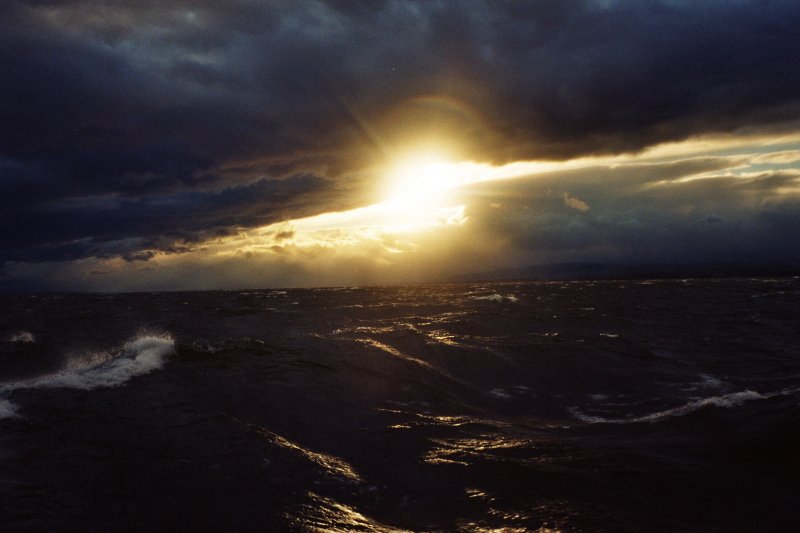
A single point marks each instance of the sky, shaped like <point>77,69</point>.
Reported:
<point>170,145</point>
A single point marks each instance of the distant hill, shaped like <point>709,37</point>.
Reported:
<point>580,271</point>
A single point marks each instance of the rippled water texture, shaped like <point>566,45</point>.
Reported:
<point>582,406</point>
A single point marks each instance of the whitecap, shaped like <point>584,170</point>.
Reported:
<point>7,409</point>
<point>139,356</point>
<point>589,419</point>
<point>706,382</point>
<point>733,399</point>
<point>495,297</point>
<point>24,337</point>
<point>491,298</point>
<point>93,370</point>
<point>500,393</point>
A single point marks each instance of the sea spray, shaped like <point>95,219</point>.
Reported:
<point>137,357</point>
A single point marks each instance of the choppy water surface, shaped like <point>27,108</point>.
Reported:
<point>582,406</point>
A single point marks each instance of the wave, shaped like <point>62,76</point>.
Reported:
<point>330,464</point>
<point>320,513</point>
<point>93,370</point>
<point>733,399</point>
<point>7,409</point>
<point>25,337</point>
<point>499,298</point>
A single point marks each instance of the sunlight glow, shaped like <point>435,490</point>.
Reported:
<point>419,194</point>
<point>422,190</point>
<point>421,180</point>
<point>426,198</point>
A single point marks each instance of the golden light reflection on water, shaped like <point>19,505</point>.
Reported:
<point>460,451</point>
<point>329,463</point>
<point>511,518</point>
<point>326,514</point>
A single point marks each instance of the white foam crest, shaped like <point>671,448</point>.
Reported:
<point>7,409</point>
<point>707,381</point>
<point>139,356</point>
<point>24,337</point>
<point>589,419</point>
<point>499,298</point>
<point>733,399</point>
<point>500,393</point>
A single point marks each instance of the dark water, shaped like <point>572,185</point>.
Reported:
<point>585,406</point>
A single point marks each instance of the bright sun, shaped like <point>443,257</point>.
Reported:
<point>421,180</point>
<point>420,191</point>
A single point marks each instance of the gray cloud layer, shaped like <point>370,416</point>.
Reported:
<point>133,127</point>
<point>647,214</point>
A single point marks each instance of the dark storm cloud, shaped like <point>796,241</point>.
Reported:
<point>133,227</point>
<point>129,127</point>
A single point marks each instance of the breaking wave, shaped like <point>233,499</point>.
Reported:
<point>93,370</point>
<point>733,399</point>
